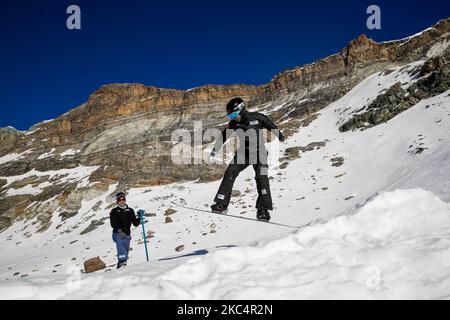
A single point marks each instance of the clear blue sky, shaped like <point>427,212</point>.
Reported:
<point>46,69</point>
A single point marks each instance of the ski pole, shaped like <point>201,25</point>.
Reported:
<point>141,216</point>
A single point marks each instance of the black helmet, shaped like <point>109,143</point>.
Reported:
<point>235,105</point>
<point>120,195</point>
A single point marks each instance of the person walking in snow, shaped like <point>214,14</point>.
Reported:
<point>121,218</point>
<point>248,126</point>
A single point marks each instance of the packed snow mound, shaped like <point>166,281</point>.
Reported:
<point>395,247</point>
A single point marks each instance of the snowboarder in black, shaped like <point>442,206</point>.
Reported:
<point>248,126</point>
<point>121,218</point>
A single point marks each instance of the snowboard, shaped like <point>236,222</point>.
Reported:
<point>236,217</point>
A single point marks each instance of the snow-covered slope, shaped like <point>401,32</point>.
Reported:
<point>396,247</point>
<point>356,242</point>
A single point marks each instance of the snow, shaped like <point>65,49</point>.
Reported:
<point>69,152</point>
<point>270,108</point>
<point>64,175</point>
<point>47,154</point>
<point>392,248</point>
<point>10,157</point>
<point>14,129</point>
<point>438,48</point>
<point>374,227</point>
<point>410,37</point>
<point>395,247</point>
<point>13,157</point>
<point>28,189</point>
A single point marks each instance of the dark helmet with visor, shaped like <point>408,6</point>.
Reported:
<point>234,107</point>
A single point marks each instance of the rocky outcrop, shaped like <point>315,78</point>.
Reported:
<point>427,44</point>
<point>435,79</point>
<point>8,139</point>
<point>361,51</point>
<point>113,105</point>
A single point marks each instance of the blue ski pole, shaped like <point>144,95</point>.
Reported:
<point>141,216</point>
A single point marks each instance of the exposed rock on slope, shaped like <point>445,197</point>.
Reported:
<point>8,139</point>
<point>435,79</point>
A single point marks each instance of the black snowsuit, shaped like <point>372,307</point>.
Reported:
<point>251,151</point>
<point>122,219</point>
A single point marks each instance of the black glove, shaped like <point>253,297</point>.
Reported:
<point>280,137</point>
<point>121,234</point>
<point>213,153</point>
<point>140,214</point>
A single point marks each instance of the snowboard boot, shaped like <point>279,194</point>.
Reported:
<point>122,263</point>
<point>263,215</point>
<point>218,208</point>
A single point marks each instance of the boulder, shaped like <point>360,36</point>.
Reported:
<point>169,212</point>
<point>337,161</point>
<point>235,193</point>
<point>94,264</point>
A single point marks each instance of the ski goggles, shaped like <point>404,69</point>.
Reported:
<point>233,115</point>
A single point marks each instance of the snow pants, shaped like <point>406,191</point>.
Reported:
<point>264,200</point>
<point>122,245</point>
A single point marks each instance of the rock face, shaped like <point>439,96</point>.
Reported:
<point>8,139</point>
<point>169,212</point>
<point>435,79</point>
<point>121,136</point>
<point>94,264</point>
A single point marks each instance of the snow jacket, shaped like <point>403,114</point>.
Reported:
<point>122,219</point>
<point>249,121</point>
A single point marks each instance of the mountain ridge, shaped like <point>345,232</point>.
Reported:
<point>347,54</point>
